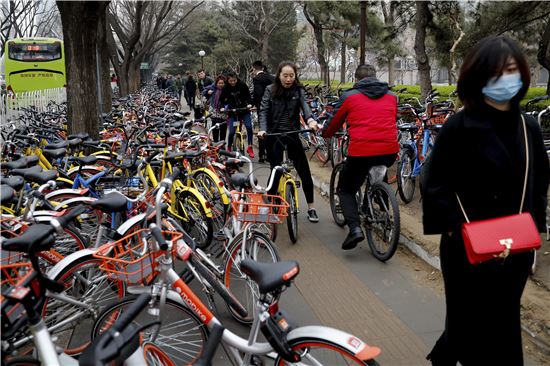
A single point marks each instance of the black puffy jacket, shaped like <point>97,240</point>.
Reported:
<point>273,108</point>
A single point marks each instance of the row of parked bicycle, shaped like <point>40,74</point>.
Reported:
<point>102,239</point>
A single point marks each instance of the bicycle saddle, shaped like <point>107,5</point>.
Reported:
<point>20,163</point>
<point>57,145</point>
<point>7,193</point>
<point>112,202</point>
<point>14,182</point>
<point>23,172</point>
<point>55,153</point>
<point>241,180</point>
<point>42,177</point>
<point>83,136</point>
<point>408,127</point>
<point>85,160</point>
<point>74,142</point>
<point>39,236</point>
<point>270,276</point>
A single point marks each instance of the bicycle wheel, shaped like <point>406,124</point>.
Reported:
<point>181,337</point>
<point>406,182</point>
<point>195,221</point>
<point>382,221</point>
<point>210,191</point>
<point>336,152</point>
<point>257,247</point>
<point>292,218</point>
<point>319,351</point>
<point>83,281</point>
<point>323,153</point>
<point>335,207</point>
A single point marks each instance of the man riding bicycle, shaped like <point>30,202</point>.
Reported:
<point>370,111</point>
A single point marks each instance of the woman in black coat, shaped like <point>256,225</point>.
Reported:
<point>190,91</point>
<point>280,112</point>
<point>479,154</point>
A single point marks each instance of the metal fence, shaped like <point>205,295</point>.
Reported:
<point>11,104</point>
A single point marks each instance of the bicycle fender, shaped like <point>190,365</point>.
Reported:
<point>410,145</point>
<point>103,155</point>
<point>282,187</point>
<point>360,349</point>
<point>122,229</point>
<point>83,200</point>
<point>91,167</point>
<point>216,179</point>
<point>65,180</point>
<point>200,198</point>
<point>77,192</point>
<point>55,270</point>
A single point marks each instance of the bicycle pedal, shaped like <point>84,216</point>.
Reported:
<point>219,236</point>
<point>298,183</point>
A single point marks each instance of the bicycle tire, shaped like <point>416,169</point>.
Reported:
<point>383,228</point>
<point>322,147</point>
<point>244,289</point>
<point>321,351</point>
<point>100,291</point>
<point>336,153</point>
<point>335,207</point>
<point>292,218</point>
<point>180,327</point>
<point>196,223</point>
<point>406,183</point>
<point>210,191</point>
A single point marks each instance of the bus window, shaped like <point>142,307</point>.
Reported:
<point>34,52</point>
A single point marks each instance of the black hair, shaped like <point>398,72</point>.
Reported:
<point>232,74</point>
<point>277,89</point>
<point>258,65</point>
<point>365,71</point>
<point>488,59</point>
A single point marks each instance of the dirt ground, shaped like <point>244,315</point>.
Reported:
<point>536,297</point>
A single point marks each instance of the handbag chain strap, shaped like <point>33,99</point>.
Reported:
<point>524,181</point>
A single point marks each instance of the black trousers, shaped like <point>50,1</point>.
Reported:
<point>262,146</point>
<point>275,146</point>
<point>482,325</point>
<point>352,178</point>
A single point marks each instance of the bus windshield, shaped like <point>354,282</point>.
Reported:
<point>32,52</point>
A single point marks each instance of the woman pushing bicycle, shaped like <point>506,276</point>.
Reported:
<point>280,112</point>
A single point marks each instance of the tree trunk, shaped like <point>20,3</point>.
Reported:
<point>134,76</point>
<point>343,62</point>
<point>80,19</point>
<point>543,54</point>
<point>105,76</point>
<point>265,49</point>
<point>321,50</point>
<point>391,71</point>
<point>423,16</point>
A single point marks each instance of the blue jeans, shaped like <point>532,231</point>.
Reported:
<point>248,124</point>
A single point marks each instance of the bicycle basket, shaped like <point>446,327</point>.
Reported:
<point>259,207</point>
<point>130,259</point>
<point>128,186</point>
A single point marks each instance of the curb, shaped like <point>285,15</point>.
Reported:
<point>434,261</point>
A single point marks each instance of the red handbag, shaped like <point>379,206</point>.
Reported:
<point>499,237</point>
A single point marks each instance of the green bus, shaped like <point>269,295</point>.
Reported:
<point>34,64</point>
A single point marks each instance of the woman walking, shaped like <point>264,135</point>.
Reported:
<point>487,175</point>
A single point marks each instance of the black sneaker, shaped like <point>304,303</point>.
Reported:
<point>312,215</point>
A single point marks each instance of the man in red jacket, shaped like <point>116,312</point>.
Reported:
<point>370,112</point>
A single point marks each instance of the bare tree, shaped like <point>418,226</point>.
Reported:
<point>423,17</point>
<point>258,20</point>
<point>26,18</point>
<point>139,30</point>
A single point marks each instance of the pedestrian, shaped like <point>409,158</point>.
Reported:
<point>204,80</point>
<point>170,85</point>
<point>235,95</point>
<point>114,81</point>
<point>191,91</point>
<point>280,112</point>
<point>370,111</point>
<point>178,82</point>
<point>183,82</point>
<point>163,81</point>
<point>260,81</point>
<point>479,157</point>
<point>213,94</point>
